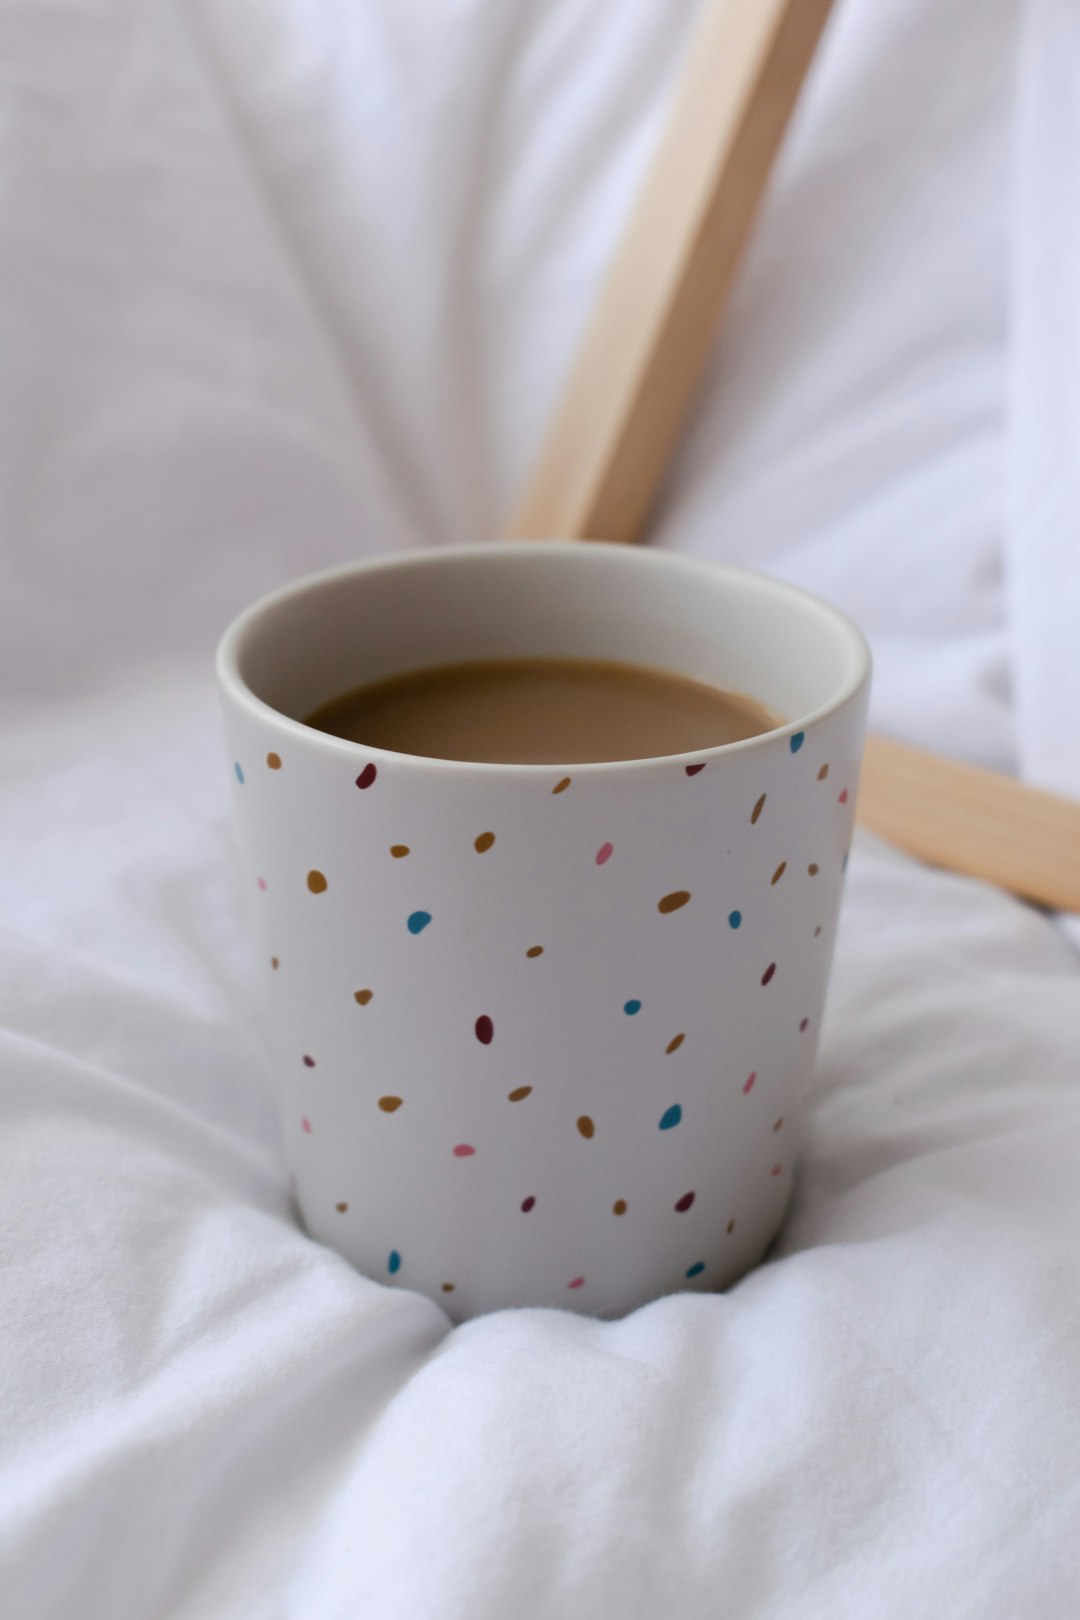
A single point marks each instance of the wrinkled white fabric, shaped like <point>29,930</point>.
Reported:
<point>1044,527</point>
<point>288,281</point>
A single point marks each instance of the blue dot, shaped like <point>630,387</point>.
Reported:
<point>696,1269</point>
<point>239,772</point>
<point>631,1007</point>
<point>796,741</point>
<point>671,1117</point>
<point>419,921</point>
<point>734,919</point>
<point>393,1264</point>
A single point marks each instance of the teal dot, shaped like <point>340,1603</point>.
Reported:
<point>696,1269</point>
<point>393,1264</point>
<point>239,772</point>
<point>631,1007</point>
<point>418,922</point>
<point>671,1117</point>
<point>734,919</point>
<point>796,741</point>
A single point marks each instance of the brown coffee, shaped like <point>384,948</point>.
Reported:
<point>542,711</point>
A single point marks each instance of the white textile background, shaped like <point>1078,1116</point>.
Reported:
<point>288,281</point>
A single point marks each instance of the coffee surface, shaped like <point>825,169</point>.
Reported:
<point>542,711</point>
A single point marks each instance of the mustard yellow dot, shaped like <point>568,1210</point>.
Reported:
<point>483,843</point>
<point>341,1208</point>
<point>363,996</point>
<point>535,950</point>
<point>274,963</point>
<point>561,787</point>
<point>730,1227</point>
<point>674,901</point>
<point>812,869</point>
<point>519,1094</point>
<point>399,851</point>
<point>390,1105</point>
<point>274,761</point>
<point>779,1122</point>
<point>758,808</point>
<point>674,1044</point>
<point>448,1288</point>
<point>778,874</point>
<point>823,773</point>
<point>316,882</point>
<point>586,1127</point>
<point>619,1207</point>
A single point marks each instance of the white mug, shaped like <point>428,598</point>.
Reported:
<point>539,1032</point>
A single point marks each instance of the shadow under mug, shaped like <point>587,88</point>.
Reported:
<point>540,1032</point>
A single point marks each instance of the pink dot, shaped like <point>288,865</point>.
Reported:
<point>578,1282</point>
<point>464,1151</point>
<point>262,883</point>
<point>776,1170</point>
<point>306,1123</point>
<point>843,797</point>
<point>804,1025</point>
<point>603,854</point>
<point>748,1084</point>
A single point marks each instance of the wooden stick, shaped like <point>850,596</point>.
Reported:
<point>973,821</point>
<point>615,431</point>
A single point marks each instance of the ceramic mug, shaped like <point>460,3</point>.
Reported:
<point>540,1033</point>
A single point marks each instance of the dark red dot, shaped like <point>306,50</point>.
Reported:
<point>485,1030</point>
<point>309,1062</point>
<point>527,1203</point>
<point>367,776</point>
<point>684,1203</point>
<point>692,770</point>
<point>768,973</point>
<point>804,1025</point>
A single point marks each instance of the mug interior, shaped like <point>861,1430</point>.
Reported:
<point>737,630</point>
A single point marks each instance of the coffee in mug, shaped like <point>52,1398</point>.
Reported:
<point>535,711</point>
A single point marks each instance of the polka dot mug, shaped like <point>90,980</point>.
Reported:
<point>539,1033</point>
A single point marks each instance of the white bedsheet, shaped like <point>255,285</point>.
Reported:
<point>286,281</point>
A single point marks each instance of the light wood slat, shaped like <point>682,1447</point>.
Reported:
<point>973,821</point>
<point>637,371</point>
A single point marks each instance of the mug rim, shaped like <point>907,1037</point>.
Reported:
<point>233,684</point>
